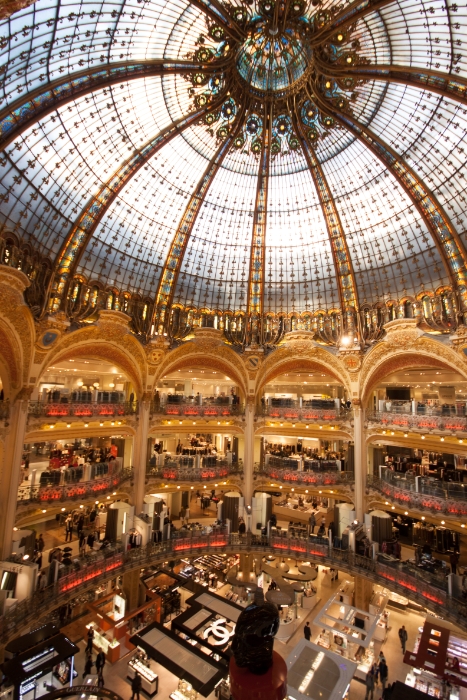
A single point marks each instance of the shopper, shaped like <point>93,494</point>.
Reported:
<point>370,685</point>
<point>136,686</point>
<point>100,663</point>
<point>383,674</point>
<point>40,543</point>
<point>307,631</point>
<point>403,637</point>
<point>454,559</point>
<point>312,522</point>
<point>69,528</point>
<point>88,666</point>
<point>241,527</point>
<point>187,515</point>
<point>90,640</point>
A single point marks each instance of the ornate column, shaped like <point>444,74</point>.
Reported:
<point>248,459</point>
<point>140,450</point>
<point>11,449</point>
<point>360,459</point>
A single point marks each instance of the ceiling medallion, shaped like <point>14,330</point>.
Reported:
<point>273,73</point>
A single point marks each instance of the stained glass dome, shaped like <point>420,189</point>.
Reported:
<point>257,157</point>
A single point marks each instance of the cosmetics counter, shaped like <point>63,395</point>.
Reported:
<point>140,663</point>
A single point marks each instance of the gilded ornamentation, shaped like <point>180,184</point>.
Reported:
<point>301,356</point>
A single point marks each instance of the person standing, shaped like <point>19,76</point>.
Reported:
<point>88,666</point>
<point>90,640</point>
<point>40,544</point>
<point>187,515</point>
<point>454,559</point>
<point>403,637</point>
<point>136,686</point>
<point>383,673</point>
<point>100,663</point>
<point>69,528</point>
<point>312,522</point>
<point>370,685</point>
<point>307,631</point>
<point>80,524</point>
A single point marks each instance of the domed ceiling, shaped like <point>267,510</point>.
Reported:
<point>269,156</point>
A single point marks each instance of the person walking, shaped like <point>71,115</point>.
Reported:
<point>383,674</point>
<point>187,515</point>
<point>312,522</point>
<point>100,663</point>
<point>403,637</point>
<point>136,686</point>
<point>88,666</point>
<point>370,685</point>
<point>307,631</point>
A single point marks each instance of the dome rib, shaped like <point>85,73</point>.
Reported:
<point>168,279</point>
<point>343,19</point>
<point>443,84</point>
<point>347,285</point>
<point>444,235</point>
<point>218,13</point>
<point>255,298</point>
<point>21,114</point>
<point>86,224</point>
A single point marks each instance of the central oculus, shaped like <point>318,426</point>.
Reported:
<point>273,60</point>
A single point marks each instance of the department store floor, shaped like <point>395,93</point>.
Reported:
<point>115,675</point>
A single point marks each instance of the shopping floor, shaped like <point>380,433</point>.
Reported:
<point>116,675</point>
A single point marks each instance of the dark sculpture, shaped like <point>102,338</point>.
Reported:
<point>253,641</point>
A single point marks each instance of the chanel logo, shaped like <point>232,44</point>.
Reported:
<point>219,631</point>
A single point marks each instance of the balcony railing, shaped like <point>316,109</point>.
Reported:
<point>88,410</point>
<point>401,577</point>
<point>192,408</point>
<point>294,412</point>
<point>177,470</point>
<point>307,478</point>
<point>73,492</point>
<point>410,421</point>
<point>421,409</point>
<point>449,499</point>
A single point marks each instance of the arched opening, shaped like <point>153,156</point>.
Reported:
<point>305,412</point>
<point>416,413</point>
<point>192,394</point>
<point>79,441</point>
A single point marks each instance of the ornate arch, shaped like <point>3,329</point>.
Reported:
<point>301,356</point>
<point>403,352</point>
<point>16,328</point>
<point>209,354</point>
<point>107,341</point>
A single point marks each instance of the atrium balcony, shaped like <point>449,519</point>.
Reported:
<point>412,415</point>
<point>418,493</point>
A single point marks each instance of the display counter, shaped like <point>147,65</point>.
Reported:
<point>429,684</point>
<point>102,642</point>
<point>149,679</point>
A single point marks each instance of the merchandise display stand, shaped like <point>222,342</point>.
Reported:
<point>348,631</point>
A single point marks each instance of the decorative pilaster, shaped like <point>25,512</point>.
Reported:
<point>10,467</point>
<point>248,458</point>
<point>140,450</point>
<point>360,458</point>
